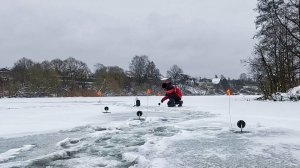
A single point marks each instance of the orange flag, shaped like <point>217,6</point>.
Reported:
<point>99,93</point>
<point>228,92</point>
<point>148,91</point>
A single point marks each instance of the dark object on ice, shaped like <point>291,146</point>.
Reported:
<point>241,124</point>
<point>159,104</point>
<point>174,102</point>
<point>106,109</point>
<point>137,103</point>
<point>139,114</point>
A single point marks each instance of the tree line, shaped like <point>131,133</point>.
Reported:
<point>72,77</point>
<point>275,64</point>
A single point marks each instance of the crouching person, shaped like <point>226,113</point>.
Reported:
<point>173,93</point>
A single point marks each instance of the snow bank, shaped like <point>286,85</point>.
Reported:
<point>291,94</point>
<point>294,91</point>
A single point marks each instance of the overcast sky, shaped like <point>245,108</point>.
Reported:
<point>203,37</point>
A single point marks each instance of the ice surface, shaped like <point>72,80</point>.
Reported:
<point>12,153</point>
<point>73,132</point>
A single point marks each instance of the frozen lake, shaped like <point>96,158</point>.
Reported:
<point>74,132</point>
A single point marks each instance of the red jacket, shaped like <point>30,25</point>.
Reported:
<point>175,90</point>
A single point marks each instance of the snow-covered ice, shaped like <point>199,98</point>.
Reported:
<point>10,154</point>
<point>74,132</point>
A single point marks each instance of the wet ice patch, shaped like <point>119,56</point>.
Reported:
<point>223,150</point>
<point>59,155</point>
<point>130,157</point>
<point>165,131</point>
<point>275,141</point>
<point>86,162</point>
<point>99,128</point>
<point>154,119</point>
<point>135,160</point>
<point>159,163</point>
<point>86,128</point>
<point>12,153</point>
<point>67,143</point>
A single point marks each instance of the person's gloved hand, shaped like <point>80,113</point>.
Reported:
<point>161,101</point>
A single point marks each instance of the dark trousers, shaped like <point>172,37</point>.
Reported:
<point>174,100</point>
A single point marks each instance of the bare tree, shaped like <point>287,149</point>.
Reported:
<point>20,70</point>
<point>76,71</point>
<point>243,77</point>
<point>111,80</point>
<point>175,73</point>
<point>152,73</point>
<point>275,64</point>
<point>138,68</point>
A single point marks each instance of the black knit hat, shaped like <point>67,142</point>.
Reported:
<point>164,85</point>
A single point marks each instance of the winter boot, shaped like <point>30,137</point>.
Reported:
<point>180,103</point>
